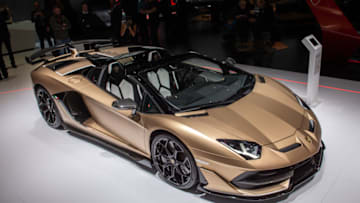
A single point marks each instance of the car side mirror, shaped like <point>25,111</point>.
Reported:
<point>125,104</point>
<point>230,61</point>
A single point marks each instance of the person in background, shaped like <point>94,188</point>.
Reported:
<point>141,22</point>
<point>237,25</point>
<point>4,35</point>
<point>60,26</point>
<point>60,4</point>
<point>87,21</point>
<point>164,21</point>
<point>41,25</point>
<point>149,11</point>
<point>5,18</point>
<point>241,14</point>
<point>128,31</point>
<point>264,20</point>
<point>117,15</point>
<point>270,11</point>
<point>251,4</point>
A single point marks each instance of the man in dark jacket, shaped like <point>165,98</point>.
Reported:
<point>86,22</point>
<point>5,18</point>
<point>60,25</point>
<point>41,25</point>
<point>89,24</point>
<point>117,15</point>
<point>241,14</point>
<point>150,17</point>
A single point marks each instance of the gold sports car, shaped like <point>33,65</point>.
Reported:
<point>200,123</point>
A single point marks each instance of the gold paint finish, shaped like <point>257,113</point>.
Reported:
<point>115,51</point>
<point>270,116</point>
<point>82,63</point>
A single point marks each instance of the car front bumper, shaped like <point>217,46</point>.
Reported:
<point>263,185</point>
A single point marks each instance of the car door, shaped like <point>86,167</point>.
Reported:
<point>127,127</point>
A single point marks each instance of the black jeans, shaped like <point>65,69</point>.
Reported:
<point>3,69</point>
<point>42,34</point>
<point>2,66</point>
<point>2,63</point>
<point>7,43</point>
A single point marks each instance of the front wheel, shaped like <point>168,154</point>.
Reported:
<point>174,162</point>
<point>48,108</point>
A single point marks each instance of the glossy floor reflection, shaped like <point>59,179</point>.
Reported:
<point>39,164</point>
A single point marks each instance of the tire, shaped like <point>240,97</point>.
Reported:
<point>48,109</point>
<point>174,162</point>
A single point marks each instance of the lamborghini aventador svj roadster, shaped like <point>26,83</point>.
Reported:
<point>201,123</point>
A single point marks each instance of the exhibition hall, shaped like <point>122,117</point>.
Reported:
<point>179,101</point>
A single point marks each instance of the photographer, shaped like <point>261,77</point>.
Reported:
<point>128,31</point>
<point>41,25</point>
<point>5,18</point>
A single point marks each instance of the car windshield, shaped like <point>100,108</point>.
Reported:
<point>197,83</point>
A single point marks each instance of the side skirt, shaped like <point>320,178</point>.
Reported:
<point>141,160</point>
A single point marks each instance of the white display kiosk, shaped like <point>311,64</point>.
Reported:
<point>315,54</point>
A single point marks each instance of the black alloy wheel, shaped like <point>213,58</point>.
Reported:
<point>174,162</point>
<point>48,108</point>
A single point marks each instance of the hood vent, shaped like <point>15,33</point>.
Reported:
<point>61,64</point>
<point>289,148</point>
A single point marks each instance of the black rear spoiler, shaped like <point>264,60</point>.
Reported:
<point>43,54</point>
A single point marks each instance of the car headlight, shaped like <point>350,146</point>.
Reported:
<point>248,150</point>
<point>302,103</point>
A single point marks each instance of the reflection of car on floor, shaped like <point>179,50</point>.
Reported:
<point>200,122</point>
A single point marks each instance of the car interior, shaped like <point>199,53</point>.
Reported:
<point>171,79</point>
<point>119,86</point>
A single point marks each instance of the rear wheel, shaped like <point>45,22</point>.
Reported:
<point>48,108</point>
<point>174,162</point>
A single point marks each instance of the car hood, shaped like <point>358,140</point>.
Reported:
<point>267,115</point>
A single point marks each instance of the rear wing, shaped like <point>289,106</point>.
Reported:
<point>52,53</point>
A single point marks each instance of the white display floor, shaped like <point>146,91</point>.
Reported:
<point>42,165</point>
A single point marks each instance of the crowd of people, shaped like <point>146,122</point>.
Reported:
<point>51,25</point>
<point>131,21</point>
<point>252,21</point>
<point>150,22</point>
<point>146,21</point>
